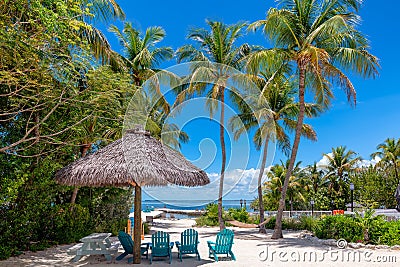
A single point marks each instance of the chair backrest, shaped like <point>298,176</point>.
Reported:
<point>224,241</point>
<point>160,243</point>
<point>126,241</point>
<point>189,238</point>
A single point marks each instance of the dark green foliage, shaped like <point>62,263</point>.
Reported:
<point>70,223</point>
<point>339,226</point>
<point>35,211</point>
<point>240,215</point>
<point>210,218</point>
<point>368,229</point>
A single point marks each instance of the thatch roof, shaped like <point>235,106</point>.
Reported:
<point>137,158</point>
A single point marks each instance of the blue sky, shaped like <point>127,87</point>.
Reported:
<point>375,118</point>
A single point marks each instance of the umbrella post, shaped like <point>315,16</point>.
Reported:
<point>137,225</point>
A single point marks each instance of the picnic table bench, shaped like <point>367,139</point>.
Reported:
<point>94,244</point>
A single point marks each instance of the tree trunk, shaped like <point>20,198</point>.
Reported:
<point>84,150</point>
<point>221,181</point>
<point>137,226</point>
<point>260,195</point>
<point>278,225</point>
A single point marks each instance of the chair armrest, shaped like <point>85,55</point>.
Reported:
<point>145,245</point>
<point>177,243</point>
<point>171,245</point>
<point>210,242</point>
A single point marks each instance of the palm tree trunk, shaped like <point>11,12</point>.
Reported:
<point>260,195</point>
<point>222,140</point>
<point>278,225</point>
<point>84,150</point>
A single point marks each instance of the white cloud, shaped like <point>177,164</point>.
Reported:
<point>363,163</point>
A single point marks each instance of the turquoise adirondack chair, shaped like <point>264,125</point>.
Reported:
<point>160,246</point>
<point>127,244</point>
<point>188,243</point>
<point>223,245</point>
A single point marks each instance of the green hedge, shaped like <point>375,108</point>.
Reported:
<point>369,229</point>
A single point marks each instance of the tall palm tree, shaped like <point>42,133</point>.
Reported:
<point>389,152</point>
<point>320,38</point>
<point>278,113</point>
<point>217,45</point>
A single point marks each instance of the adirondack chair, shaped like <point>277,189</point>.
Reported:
<point>188,244</point>
<point>223,245</point>
<point>127,244</point>
<point>160,246</point>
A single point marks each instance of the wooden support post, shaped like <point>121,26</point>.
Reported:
<point>137,225</point>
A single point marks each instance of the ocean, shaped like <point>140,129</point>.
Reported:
<point>193,204</point>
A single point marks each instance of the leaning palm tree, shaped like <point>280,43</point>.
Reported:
<point>389,152</point>
<point>272,120</point>
<point>321,39</point>
<point>217,45</point>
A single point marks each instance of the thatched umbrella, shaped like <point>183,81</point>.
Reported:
<point>136,159</point>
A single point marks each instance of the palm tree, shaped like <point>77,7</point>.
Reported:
<point>389,153</point>
<point>279,108</point>
<point>340,164</point>
<point>316,176</point>
<point>142,55</point>
<point>277,177</point>
<point>102,10</point>
<point>215,46</point>
<point>319,37</point>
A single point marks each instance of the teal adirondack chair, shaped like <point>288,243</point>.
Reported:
<point>160,246</point>
<point>127,244</point>
<point>188,243</point>
<point>223,245</point>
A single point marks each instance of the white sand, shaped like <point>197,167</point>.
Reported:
<point>250,249</point>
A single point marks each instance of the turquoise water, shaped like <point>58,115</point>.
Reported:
<point>191,204</point>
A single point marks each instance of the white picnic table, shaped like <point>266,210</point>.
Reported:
<point>94,244</point>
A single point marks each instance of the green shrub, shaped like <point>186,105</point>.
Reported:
<point>210,218</point>
<point>307,222</point>
<point>240,215</point>
<point>70,223</point>
<point>338,226</point>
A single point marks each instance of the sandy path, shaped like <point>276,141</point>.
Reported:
<point>250,249</point>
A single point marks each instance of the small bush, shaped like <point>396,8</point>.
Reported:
<point>210,218</point>
<point>307,223</point>
<point>240,215</point>
<point>338,226</point>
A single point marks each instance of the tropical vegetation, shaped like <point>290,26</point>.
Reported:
<point>64,93</point>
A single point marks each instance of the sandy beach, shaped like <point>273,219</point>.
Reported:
<point>250,249</point>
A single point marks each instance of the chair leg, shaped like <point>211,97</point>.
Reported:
<point>232,255</point>
<point>198,255</point>
<point>215,256</point>
<point>120,257</point>
<point>151,258</point>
